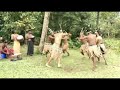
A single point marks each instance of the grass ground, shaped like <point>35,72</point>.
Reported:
<point>74,66</point>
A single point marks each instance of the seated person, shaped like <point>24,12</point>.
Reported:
<point>6,50</point>
<point>9,52</point>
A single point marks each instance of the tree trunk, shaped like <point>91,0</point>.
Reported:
<point>44,30</point>
<point>97,22</point>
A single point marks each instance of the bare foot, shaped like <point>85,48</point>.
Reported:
<point>59,65</point>
<point>106,64</point>
<point>47,65</point>
<point>93,69</point>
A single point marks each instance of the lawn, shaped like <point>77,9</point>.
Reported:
<point>73,66</point>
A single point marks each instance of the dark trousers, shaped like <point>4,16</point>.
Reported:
<point>30,50</point>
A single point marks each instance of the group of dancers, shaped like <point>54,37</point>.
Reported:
<point>92,45</point>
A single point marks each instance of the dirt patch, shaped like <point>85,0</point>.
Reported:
<point>68,69</point>
<point>73,69</point>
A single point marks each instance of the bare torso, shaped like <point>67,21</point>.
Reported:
<point>65,39</point>
<point>91,39</point>
<point>51,39</point>
<point>58,37</point>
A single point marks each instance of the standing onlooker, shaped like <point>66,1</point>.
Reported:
<point>16,44</point>
<point>30,42</point>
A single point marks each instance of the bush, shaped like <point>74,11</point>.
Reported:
<point>37,40</point>
<point>37,50</point>
<point>71,44</point>
<point>74,43</point>
<point>113,44</point>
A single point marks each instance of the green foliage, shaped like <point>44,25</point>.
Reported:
<point>37,51</point>
<point>74,22</point>
<point>113,44</point>
<point>70,21</point>
<point>21,22</point>
<point>71,44</point>
<point>74,43</point>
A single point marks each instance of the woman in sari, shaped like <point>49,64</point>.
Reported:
<point>16,45</point>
